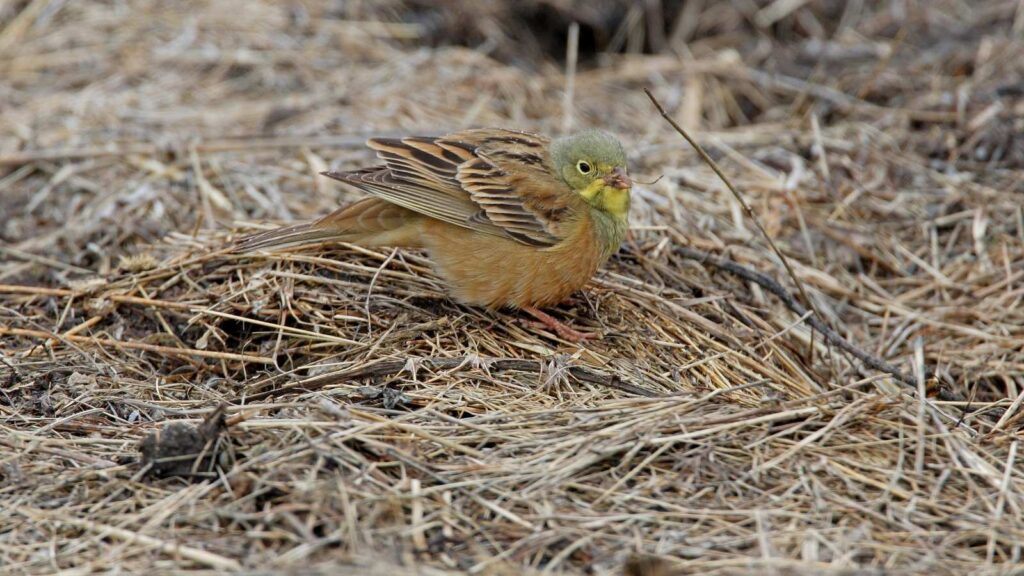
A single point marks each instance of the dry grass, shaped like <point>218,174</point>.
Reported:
<point>376,427</point>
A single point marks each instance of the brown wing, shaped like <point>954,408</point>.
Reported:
<point>494,181</point>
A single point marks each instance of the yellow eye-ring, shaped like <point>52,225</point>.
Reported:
<point>584,167</point>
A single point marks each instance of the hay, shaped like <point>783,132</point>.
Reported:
<point>375,427</point>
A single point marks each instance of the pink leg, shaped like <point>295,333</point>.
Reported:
<point>563,331</point>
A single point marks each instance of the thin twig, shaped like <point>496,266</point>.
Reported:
<point>834,338</point>
<point>739,197</point>
<point>571,55</point>
<point>768,283</point>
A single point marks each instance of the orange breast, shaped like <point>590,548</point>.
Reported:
<point>485,270</point>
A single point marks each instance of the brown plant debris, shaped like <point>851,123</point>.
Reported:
<point>735,418</point>
<point>183,449</point>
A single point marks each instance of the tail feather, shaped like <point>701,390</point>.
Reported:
<point>296,235</point>
<point>370,222</point>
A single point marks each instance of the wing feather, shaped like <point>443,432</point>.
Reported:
<point>499,182</point>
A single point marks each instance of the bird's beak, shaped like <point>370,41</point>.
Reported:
<point>618,179</point>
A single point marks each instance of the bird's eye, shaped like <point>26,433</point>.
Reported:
<point>584,167</point>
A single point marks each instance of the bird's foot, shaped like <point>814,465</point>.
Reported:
<point>564,331</point>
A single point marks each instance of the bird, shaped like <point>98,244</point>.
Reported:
<point>508,218</point>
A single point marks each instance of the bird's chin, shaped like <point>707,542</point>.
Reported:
<point>610,199</point>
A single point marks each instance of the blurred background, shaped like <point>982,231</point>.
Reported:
<point>117,82</point>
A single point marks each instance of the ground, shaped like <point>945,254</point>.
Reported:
<point>359,421</point>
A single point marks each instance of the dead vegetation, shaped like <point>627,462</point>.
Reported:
<point>375,427</point>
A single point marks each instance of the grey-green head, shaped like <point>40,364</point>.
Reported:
<point>593,163</point>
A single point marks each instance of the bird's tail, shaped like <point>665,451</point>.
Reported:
<point>296,235</point>
<point>369,222</point>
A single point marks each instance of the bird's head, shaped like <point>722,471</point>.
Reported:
<point>593,164</point>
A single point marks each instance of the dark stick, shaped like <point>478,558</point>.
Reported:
<point>833,337</point>
<point>768,283</point>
